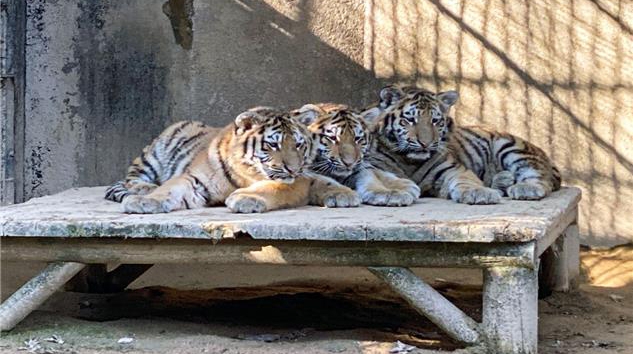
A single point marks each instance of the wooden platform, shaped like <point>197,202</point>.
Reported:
<point>79,227</point>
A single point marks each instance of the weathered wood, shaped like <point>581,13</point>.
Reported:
<point>84,213</point>
<point>556,229</point>
<point>430,303</point>
<point>510,311</point>
<point>32,294</point>
<point>566,260</point>
<point>326,253</point>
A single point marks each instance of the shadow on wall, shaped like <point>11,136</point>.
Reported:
<point>555,73</point>
<point>136,67</point>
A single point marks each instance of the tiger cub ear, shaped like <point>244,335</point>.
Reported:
<point>307,114</point>
<point>389,95</point>
<point>448,99</point>
<point>247,120</point>
<point>370,115</point>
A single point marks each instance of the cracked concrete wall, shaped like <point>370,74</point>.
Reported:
<point>104,77</point>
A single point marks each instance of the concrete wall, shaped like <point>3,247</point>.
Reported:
<point>104,77</point>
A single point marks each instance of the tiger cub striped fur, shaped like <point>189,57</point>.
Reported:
<point>253,165</point>
<point>342,140</point>
<point>417,139</point>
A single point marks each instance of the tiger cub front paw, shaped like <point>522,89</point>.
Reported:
<point>477,195</point>
<point>341,197</point>
<point>502,181</point>
<point>138,204</point>
<point>527,191</point>
<point>245,203</point>
<point>388,198</point>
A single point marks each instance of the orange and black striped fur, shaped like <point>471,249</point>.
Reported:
<point>342,140</point>
<point>417,139</point>
<point>253,165</point>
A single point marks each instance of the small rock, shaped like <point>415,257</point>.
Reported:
<point>616,298</point>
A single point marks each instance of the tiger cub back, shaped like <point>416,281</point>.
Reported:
<point>167,156</point>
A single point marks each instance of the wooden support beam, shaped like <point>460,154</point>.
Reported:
<point>430,303</point>
<point>32,294</point>
<point>325,253</point>
<point>510,311</point>
<point>561,263</point>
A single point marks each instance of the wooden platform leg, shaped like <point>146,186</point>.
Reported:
<point>95,278</point>
<point>560,263</point>
<point>32,294</point>
<point>510,309</point>
<point>427,301</point>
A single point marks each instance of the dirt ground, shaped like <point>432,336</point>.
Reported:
<point>290,310</point>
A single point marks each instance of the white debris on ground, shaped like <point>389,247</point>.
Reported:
<point>616,298</point>
<point>125,340</point>
<point>401,348</point>
<point>55,339</point>
<point>32,345</point>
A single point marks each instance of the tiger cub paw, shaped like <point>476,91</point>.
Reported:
<point>245,203</point>
<point>478,195</point>
<point>341,198</point>
<point>502,181</point>
<point>406,186</point>
<point>138,204</point>
<point>527,191</point>
<point>388,198</point>
<point>142,188</point>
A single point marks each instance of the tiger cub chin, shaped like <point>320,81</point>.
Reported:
<point>417,139</point>
<point>253,165</point>
<point>342,140</point>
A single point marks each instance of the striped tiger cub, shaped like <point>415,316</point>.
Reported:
<point>342,140</point>
<point>417,139</point>
<point>253,165</point>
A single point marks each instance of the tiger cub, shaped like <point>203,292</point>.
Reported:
<point>253,165</point>
<point>417,139</point>
<point>342,140</point>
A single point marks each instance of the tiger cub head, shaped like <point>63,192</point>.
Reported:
<point>412,122</point>
<point>341,137</point>
<point>273,143</point>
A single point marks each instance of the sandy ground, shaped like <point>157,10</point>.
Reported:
<point>290,310</point>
